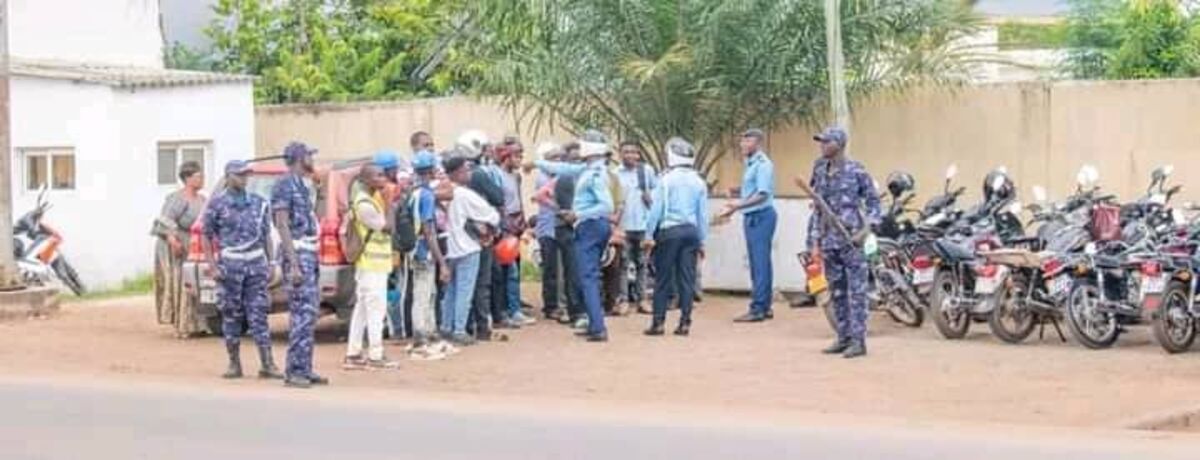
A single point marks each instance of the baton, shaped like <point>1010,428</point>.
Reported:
<point>824,208</point>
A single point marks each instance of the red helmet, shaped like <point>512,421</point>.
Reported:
<point>507,250</point>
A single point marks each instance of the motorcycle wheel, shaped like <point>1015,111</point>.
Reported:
<point>69,276</point>
<point>903,312</point>
<point>953,324</point>
<point>1009,321</point>
<point>1174,327</point>
<point>1093,329</point>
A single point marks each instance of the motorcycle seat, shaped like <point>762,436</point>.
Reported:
<point>957,252</point>
<point>1107,261</point>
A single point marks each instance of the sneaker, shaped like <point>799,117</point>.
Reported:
<point>580,324</point>
<point>445,348</point>
<point>426,354</point>
<point>462,340</point>
<point>506,323</point>
<point>524,320</point>
<point>354,363</point>
<point>382,364</point>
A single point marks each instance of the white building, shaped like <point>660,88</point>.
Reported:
<point>97,117</point>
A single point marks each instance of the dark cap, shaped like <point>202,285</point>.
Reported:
<point>237,167</point>
<point>296,150</point>
<point>833,134</point>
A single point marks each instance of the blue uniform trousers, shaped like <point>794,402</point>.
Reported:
<point>303,300</point>
<point>675,255</point>
<point>759,227</point>
<point>591,238</point>
<point>243,296</point>
<point>846,269</point>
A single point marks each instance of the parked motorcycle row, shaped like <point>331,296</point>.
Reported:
<point>1089,261</point>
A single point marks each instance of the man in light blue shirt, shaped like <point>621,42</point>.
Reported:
<point>757,205</point>
<point>675,229</point>
<point>591,210</point>
<point>637,183</point>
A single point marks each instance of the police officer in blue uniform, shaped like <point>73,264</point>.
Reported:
<point>240,223</point>
<point>675,229</point>
<point>296,221</point>
<point>591,209</point>
<point>848,189</point>
<point>757,205</point>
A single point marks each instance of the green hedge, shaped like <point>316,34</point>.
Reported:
<point>1022,35</point>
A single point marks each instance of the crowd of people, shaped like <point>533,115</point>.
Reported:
<point>435,244</point>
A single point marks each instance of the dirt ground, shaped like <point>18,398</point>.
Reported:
<point>910,374</point>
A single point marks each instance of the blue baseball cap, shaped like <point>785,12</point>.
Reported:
<point>297,150</point>
<point>237,167</point>
<point>833,134</point>
<point>424,160</point>
<point>386,159</point>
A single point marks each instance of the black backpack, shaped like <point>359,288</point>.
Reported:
<point>404,232</point>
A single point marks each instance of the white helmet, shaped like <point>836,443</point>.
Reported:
<point>473,141</point>
<point>547,150</point>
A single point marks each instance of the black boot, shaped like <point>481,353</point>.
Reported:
<point>235,362</point>
<point>656,328</point>
<point>685,328</point>
<point>268,369</point>
<point>856,349</point>
<point>839,346</point>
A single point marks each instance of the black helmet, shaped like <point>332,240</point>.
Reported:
<point>900,182</point>
<point>997,185</point>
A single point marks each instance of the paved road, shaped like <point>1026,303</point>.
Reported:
<point>100,423</point>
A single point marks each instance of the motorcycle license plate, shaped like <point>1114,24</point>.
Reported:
<point>1059,285</point>
<point>923,276</point>
<point>988,285</point>
<point>1154,285</point>
<point>208,296</point>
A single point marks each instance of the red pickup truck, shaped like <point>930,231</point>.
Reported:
<point>336,280</point>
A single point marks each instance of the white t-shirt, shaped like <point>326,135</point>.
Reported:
<point>467,205</point>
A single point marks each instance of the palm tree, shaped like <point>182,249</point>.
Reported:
<point>703,69</point>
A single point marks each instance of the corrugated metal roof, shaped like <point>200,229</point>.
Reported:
<point>119,76</point>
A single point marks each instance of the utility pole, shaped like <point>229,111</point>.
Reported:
<point>836,64</point>
<point>9,280</point>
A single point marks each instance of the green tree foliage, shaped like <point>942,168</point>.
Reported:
<point>1132,39</point>
<point>339,50</point>
<point>704,69</point>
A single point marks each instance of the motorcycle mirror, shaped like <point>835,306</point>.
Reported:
<point>951,172</point>
<point>1015,208</point>
<point>1088,175</point>
<point>1039,194</point>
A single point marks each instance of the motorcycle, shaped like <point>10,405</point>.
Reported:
<point>1117,275</point>
<point>1033,294</point>
<point>959,285</point>
<point>36,250</point>
<point>1174,313</point>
